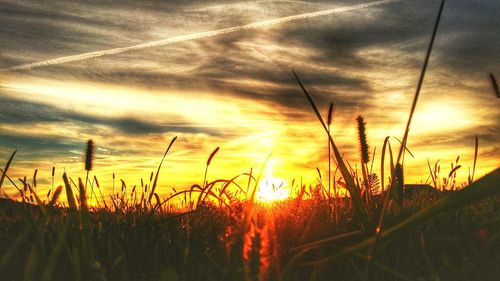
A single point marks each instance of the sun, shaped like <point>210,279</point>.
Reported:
<point>272,189</point>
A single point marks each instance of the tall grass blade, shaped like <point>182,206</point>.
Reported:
<point>420,81</point>
<point>55,196</point>
<point>382,162</point>
<point>204,194</point>
<point>69,193</point>
<point>34,178</point>
<point>52,261</point>
<point>32,263</point>
<point>85,223</point>
<point>494,84</point>
<point>476,147</point>
<point>11,181</point>
<point>38,201</point>
<point>329,123</point>
<point>14,248</point>
<point>153,188</point>
<point>351,186</point>
<point>397,186</point>
<point>403,146</point>
<point>4,172</point>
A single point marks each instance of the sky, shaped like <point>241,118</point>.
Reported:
<point>218,74</point>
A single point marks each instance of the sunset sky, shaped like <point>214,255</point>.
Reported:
<point>236,89</point>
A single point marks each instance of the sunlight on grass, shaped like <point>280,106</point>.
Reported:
<point>273,189</point>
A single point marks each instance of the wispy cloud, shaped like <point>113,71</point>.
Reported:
<point>193,36</point>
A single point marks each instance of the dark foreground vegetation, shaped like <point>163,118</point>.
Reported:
<point>293,240</point>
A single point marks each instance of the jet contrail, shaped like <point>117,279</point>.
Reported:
<point>194,36</point>
<point>215,7</point>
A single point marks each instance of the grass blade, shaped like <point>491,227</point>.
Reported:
<point>420,81</point>
<point>52,261</point>
<point>55,196</point>
<point>4,173</point>
<point>69,193</point>
<point>158,171</point>
<point>494,84</point>
<point>476,146</point>
<point>348,178</point>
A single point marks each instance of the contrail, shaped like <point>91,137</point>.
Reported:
<point>215,7</point>
<point>194,36</point>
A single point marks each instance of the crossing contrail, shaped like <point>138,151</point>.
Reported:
<point>193,36</point>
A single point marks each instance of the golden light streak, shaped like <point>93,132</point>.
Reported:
<point>178,107</point>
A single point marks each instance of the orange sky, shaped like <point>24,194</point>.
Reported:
<point>236,91</point>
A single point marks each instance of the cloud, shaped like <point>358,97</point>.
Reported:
<point>38,147</point>
<point>15,111</point>
<point>195,36</point>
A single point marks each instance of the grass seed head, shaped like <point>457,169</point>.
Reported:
<point>330,114</point>
<point>89,155</point>
<point>362,139</point>
<point>212,156</point>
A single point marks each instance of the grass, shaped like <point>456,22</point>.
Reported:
<point>437,236</point>
<point>219,231</point>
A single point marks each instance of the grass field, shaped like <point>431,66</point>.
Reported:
<point>317,238</point>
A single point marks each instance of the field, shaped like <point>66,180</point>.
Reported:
<point>310,237</point>
<point>361,225</point>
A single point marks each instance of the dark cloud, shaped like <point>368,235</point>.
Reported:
<point>30,147</point>
<point>15,111</point>
<point>487,135</point>
<point>465,44</point>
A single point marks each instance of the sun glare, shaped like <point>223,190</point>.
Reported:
<point>272,189</point>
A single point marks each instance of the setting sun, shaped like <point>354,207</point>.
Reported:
<point>272,189</point>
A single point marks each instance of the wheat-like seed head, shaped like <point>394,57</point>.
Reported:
<point>89,155</point>
<point>362,140</point>
<point>212,156</point>
<point>330,114</point>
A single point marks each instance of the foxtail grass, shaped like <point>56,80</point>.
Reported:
<point>202,196</point>
<point>363,143</point>
<point>89,162</point>
<point>365,158</point>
